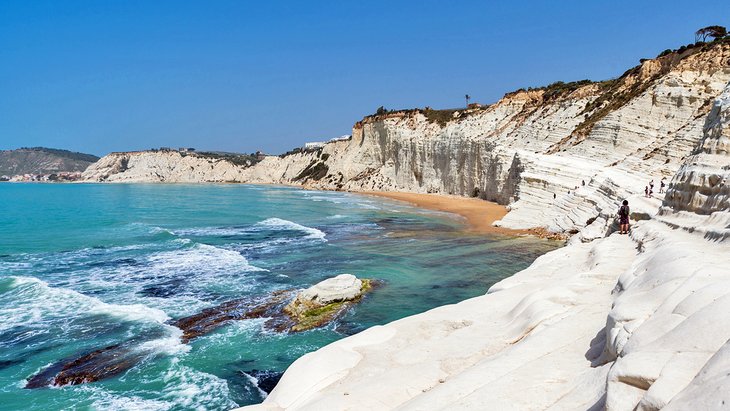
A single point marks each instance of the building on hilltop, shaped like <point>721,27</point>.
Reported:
<point>315,145</point>
<point>342,138</point>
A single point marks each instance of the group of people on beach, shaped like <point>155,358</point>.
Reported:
<point>649,190</point>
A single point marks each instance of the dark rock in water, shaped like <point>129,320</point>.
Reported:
<point>114,263</point>
<point>265,380</point>
<point>165,289</point>
<point>46,376</point>
<point>211,318</point>
<point>348,328</point>
<point>94,366</point>
<point>10,363</point>
<point>98,365</point>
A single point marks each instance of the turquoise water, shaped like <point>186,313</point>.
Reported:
<point>87,266</point>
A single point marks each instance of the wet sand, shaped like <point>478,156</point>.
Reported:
<point>479,214</point>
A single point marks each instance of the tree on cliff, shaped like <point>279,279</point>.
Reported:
<point>467,97</point>
<point>714,32</point>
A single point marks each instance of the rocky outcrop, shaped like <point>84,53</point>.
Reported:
<point>163,167</point>
<point>619,323</point>
<point>667,330</point>
<point>324,301</point>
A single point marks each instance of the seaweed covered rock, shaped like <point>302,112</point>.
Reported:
<point>322,302</point>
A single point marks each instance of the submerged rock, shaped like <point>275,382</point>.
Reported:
<point>324,301</point>
<point>265,380</point>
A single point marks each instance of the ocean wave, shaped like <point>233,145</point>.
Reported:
<point>255,382</point>
<point>190,389</point>
<point>147,228</point>
<point>281,224</point>
<point>212,231</point>
<point>275,224</point>
<point>31,300</point>
<point>353,201</point>
<point>200,257</point>
<point>103,399</point>
<point>169,345</point>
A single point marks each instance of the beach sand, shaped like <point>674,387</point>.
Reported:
<point>479,214</point>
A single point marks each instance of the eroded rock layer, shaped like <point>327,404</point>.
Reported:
<point>621,322</point>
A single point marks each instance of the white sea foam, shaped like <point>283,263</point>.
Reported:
<point>103,399</point>
<point>147,228</point>
<point>190,389</point>
<point>213,231</point>
<point>201,257</point>
<point>281,224</point>
<point>255,382</point>
<point>170,345</point>
<point>33,300</point>
<point>354,201</point>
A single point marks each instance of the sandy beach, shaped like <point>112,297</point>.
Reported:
<point>479,214</point>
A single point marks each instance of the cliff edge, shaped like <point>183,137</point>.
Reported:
<point>620,323</point>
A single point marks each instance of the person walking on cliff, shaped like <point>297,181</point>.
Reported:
<point>646,191</point>
<point>623,218</point>
<point>651,187</point>
<point>661,185</point>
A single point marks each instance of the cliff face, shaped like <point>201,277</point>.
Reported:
<point>162,166</point>
<point>521,151</point>
<point>633,322</point>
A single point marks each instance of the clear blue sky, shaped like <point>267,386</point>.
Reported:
<point>100,76</point>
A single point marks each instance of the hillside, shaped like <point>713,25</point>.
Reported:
<point>170,166</point>
<point>41,160</point>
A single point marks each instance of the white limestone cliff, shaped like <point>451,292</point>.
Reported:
<point>528,147</point>
<point>619,323</point>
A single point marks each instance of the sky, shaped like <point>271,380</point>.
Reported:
<point>241,76</point>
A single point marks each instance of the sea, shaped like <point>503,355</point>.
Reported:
<point>88,266</point>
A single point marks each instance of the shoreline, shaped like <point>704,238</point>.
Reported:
<point>479,215</point>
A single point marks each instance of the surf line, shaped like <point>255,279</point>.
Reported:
<point>112,360</point>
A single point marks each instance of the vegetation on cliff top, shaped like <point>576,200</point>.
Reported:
<point>238,159</point>
<point>440,117</point>
<point>43,160</point>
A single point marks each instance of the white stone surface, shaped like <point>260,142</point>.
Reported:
<point>340,288</point>
<point>633,322</point>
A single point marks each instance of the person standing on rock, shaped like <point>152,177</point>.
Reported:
<point>623,218</point>
<point>661,185</point>
<point>651,187</point>
<point>646,191</point>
